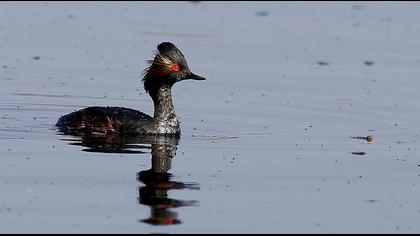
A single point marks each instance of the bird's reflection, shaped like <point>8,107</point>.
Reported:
<point>157,180</point>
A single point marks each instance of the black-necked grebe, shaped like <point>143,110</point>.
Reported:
<point>168,67</point>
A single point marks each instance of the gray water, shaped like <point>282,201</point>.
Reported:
<point>266,142</point>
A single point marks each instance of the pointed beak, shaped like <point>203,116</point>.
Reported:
<point>194,77</point>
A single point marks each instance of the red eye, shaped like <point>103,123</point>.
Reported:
<point>175,67</point>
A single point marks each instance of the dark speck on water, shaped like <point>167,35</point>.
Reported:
<point>36,57</point>
<point>323,63</point>
<point>358,7</point>
<point>369,63</point>
<point>261,13</point>
<point>359,153</point>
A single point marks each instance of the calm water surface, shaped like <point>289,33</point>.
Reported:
<point>266,141</point>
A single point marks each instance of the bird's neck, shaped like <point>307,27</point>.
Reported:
<point>162,99</point>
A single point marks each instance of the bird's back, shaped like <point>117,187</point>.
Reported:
<point>104,120</point>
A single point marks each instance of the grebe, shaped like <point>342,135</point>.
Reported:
<point>168,67</point>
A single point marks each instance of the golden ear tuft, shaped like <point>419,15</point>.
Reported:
<point>162,61</point>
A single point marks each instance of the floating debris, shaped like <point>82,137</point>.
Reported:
<point>369,63</point>
<point>261,13</point>
<point>368,138</point>
<point>323,63</point>
<point>358,7</point>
